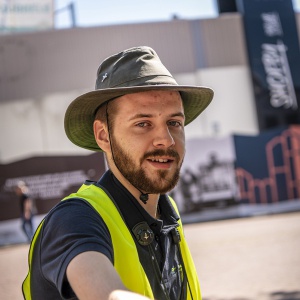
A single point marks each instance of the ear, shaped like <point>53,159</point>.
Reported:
<point>101,135</point>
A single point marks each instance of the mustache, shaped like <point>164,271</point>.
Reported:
<point>161,152</point>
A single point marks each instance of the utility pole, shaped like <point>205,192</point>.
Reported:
<point>71,9</point>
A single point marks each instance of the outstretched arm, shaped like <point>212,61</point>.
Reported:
<point>125,295</point>
<point>93,277</point>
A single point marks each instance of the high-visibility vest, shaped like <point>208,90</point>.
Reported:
<point>125,251</point>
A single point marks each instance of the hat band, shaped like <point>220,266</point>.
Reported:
<point>140,81</point>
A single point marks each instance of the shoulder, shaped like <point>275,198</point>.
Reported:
<point>71,227</point>
<point>70,212</point>
<point>74,223</point>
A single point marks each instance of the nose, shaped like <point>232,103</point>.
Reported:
<point>163,138</point>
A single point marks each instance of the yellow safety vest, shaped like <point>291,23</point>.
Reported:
<point>125,251</point>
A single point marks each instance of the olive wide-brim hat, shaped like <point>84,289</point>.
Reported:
<point>134,70</point>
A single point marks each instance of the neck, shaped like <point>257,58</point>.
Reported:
<point>152,203</point>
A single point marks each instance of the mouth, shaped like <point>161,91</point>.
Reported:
<point>161,162</point>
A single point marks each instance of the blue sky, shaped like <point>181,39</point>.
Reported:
<point>107,12</point>
<point>100,12</point>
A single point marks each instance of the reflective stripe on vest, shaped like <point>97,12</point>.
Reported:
<point>125,252</point>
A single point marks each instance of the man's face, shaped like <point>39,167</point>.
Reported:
<point>147,139</point>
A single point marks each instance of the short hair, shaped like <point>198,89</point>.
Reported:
<point>106,112</point>
<point>21,184</point>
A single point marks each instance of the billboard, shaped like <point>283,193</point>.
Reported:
<point>274,58</point>
<point>26,15</point>
<point>207,176</point>
<point>49,179</point>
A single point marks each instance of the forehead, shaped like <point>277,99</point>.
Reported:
<point>150,100</point>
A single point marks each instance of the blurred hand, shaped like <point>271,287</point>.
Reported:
<point>125,295</point>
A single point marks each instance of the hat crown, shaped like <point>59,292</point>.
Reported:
<point>136,66</point>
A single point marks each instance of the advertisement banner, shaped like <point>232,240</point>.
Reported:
<point>274,58</point>
<point>48,178</point>
<point>207,176</point>
<point>26,15</point>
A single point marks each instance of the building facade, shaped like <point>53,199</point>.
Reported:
<point>42,72</point>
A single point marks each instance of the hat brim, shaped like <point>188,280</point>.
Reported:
<point>79,117</point>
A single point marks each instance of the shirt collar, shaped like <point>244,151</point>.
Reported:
<point>132,211</point>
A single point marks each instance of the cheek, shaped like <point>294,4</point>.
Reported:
<point>135,147</point>
<point>181,151</point>
<point>180,142</point>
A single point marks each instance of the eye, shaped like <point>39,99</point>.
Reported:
<point>142,124</point>
<point>175,123</point>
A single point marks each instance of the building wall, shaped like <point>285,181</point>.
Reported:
<point>41,73</point>
<point>35,126</point>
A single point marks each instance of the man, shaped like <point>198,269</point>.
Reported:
<point>122,236</point>
<point>26,206</point>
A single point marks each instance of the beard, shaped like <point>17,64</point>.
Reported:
<point>161,182</point>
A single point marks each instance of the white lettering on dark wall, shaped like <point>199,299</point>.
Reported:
<point>271,24</point>
<point>49,186</point>
<point>276,64</point>
<point>278,75</point>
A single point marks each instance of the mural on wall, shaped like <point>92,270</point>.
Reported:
<point>268,166</point>
<point>49,179</point>
<point>207,175</point>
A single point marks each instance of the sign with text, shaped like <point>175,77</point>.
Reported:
<point>48,178</point>
<point>274,57</point>
<point>26,15</point>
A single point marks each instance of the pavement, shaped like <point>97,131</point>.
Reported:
<point>254,258</point>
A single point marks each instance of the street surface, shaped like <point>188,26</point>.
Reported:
<point>255,258</point>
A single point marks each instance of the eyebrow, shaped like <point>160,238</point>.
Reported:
<point>138,116</point>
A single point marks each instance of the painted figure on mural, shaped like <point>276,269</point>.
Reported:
<point>27,209</point>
